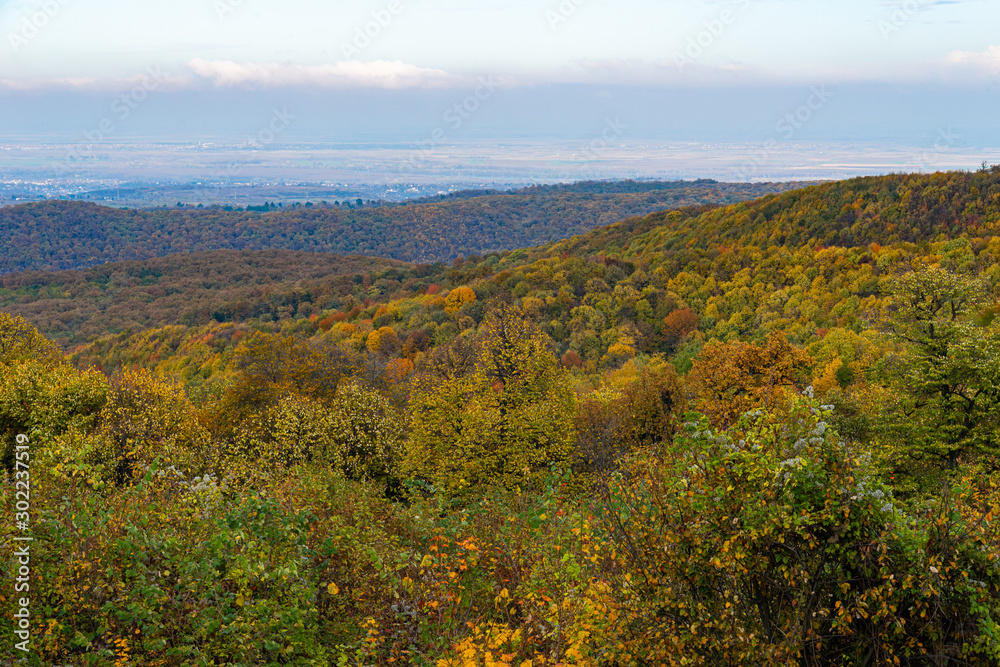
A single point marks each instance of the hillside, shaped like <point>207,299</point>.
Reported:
<point>74,306</point>
<point>57,235</point>
<point>611,293</point>
<point>896,208</point>
<point>640,446</point>
<point>645,266</point>
<point>590,187</point>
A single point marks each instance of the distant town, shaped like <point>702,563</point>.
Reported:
<point>191,173</point>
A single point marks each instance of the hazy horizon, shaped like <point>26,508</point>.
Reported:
<point>758,89</point>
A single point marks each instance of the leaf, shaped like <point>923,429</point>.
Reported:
<point>332,589</point>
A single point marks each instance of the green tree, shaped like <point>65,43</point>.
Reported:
<point>948,378</point>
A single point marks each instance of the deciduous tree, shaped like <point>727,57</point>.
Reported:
<point>500,423</point>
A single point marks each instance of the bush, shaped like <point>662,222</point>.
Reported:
<point>179,571</point>
<point>360,435</point>
<point>611,425</point>
<point>770,543</point>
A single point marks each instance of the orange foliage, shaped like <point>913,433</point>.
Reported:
<point>732,378</point>
<point>572,360</point>
<point>679,324</point>
<point>397,370</point>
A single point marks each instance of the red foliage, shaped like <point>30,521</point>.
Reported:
<point>572,360</point>
<point>679,324</point>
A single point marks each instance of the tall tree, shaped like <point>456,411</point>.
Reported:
<point>499,423</point>
<point>948,379</point>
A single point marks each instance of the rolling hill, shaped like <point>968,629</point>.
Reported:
<point>57,235</point>
<point>558,438</point>
<point>805,263</point>
<point>74,306</point>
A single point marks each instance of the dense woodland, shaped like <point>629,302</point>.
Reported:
<point>764,433</point>
<point>57,235</point>
<point>73,307</point>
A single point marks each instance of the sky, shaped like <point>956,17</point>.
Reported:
<point>403,70</point>
<point>439,43</point>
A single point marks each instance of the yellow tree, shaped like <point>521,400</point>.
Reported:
<point>270,366</point>
<point>40,394</point>
<point>499,423</point>
<point>459,298</point>
<point>359,434</point>
<point>20,341</point>
<point>148,418</point>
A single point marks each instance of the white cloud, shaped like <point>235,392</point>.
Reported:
<point>71,83</point>
<point>384,74</point>
<point>989,59</point>
<point>153,78</point>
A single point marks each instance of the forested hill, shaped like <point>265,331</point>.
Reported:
<point>912,208</point>
<point>57,235</point>
<point>652,265</point>
<point>763,434</point>
<point>187,288</point>
<point>586,187</point>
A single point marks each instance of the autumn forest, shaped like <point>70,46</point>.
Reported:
<point>599,425</point>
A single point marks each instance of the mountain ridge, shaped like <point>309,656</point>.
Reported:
<point>57,235</point>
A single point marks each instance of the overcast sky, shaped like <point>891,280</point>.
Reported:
<point>906,66</point>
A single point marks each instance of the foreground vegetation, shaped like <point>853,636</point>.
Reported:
<point>722,437</point>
